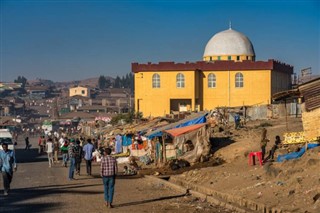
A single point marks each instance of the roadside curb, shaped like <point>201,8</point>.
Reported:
<point>232,202</point>
<point>201,195</point>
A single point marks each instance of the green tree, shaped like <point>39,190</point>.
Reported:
<point>102,82</point>
<point>108,83</point>
<point>117,82</point>
<point>22,80</point>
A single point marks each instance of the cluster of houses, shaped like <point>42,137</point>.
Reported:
<point>39,101</point>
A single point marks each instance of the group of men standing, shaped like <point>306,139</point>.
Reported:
<point>76,153</point>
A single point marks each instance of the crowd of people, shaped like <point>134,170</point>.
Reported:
<point>73,151</point>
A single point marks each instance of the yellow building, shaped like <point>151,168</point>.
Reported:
<point>227,76</point>
<point>78,90</point>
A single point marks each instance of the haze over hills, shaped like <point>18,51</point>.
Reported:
<point>91,82</point>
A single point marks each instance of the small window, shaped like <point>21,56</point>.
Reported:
<point>247,57</point>
<point>229,57</point>
<point>211,80</point>
<point>210,58</point>
<point>239,80</point>
<point>156,81</point>
<point>219,58</point>
<point>238,58</point>
<point>180,80</point>
<point>83,92</point>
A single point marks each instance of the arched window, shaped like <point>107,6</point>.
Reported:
<point>180,80</point>
<point>239,80</point>
<point>156,81</point>
<point>211,80</point>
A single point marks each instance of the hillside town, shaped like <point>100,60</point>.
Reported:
<point>229,132</point>
<point>184,136</point>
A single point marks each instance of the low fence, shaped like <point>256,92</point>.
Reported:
<point>273,111</point>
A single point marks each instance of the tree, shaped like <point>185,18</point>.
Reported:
<point>102,82</point>
<point>108,83</point>
<point>22,80</point>
<point>117,82</point>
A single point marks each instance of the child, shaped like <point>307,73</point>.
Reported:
<point>129,171</point>
<point>274,148</point>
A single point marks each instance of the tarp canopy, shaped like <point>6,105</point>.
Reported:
<point>198,118</point>
<point>182,130</point>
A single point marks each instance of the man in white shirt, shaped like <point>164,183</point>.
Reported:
<point>49,149</point>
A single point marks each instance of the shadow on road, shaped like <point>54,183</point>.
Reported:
<point>12,203</point>
<point>29,156</point>
<point>150,200</point>
<point>34,207</point>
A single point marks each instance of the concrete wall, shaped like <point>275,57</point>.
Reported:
<point>256,89</point>
<point>156,101</point>
<point>81,91</point>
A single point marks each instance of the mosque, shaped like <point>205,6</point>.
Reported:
<point>228,76</point>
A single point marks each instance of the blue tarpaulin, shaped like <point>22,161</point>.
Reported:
<point>294,155</point>
<point>126,140</point>
<point>197,120</point>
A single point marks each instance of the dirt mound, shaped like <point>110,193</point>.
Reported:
<point>293,185</point>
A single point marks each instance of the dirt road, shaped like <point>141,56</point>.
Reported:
<point>38,188</point>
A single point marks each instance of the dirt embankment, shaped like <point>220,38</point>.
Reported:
<point>293,186</point>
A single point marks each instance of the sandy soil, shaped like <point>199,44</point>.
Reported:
<point>293,186</point>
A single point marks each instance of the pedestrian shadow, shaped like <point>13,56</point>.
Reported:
<point>119,176</point>
<point>137,176</point>
<point>150,200</point>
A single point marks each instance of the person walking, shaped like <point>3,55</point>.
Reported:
<point>71,153</point>
<point>88,149</point>
<point>7,166</point>
<point>49,150</point>
<point>64,151</point>
<point>27,143</point>
<point>40,143</point>
<point>108,172</point>
<point>78,156</point>
<point>56,149</point>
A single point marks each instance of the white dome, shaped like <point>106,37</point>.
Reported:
<point>229,42</point>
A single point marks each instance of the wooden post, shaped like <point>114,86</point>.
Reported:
<point>164,157</point>
<point>285,106</point>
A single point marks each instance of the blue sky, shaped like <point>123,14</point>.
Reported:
<point>73,40</point>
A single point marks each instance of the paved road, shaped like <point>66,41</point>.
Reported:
<point>38,188</point>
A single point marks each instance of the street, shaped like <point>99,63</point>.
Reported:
<point>38,188</point>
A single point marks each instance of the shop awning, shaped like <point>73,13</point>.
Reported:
<point>179,131</point>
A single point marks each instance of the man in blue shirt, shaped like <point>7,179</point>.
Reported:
<point>7,165</point>
<point>88,150</point>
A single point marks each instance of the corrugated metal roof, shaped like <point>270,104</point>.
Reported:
<point>285,94</point>
<point>311,93</point>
